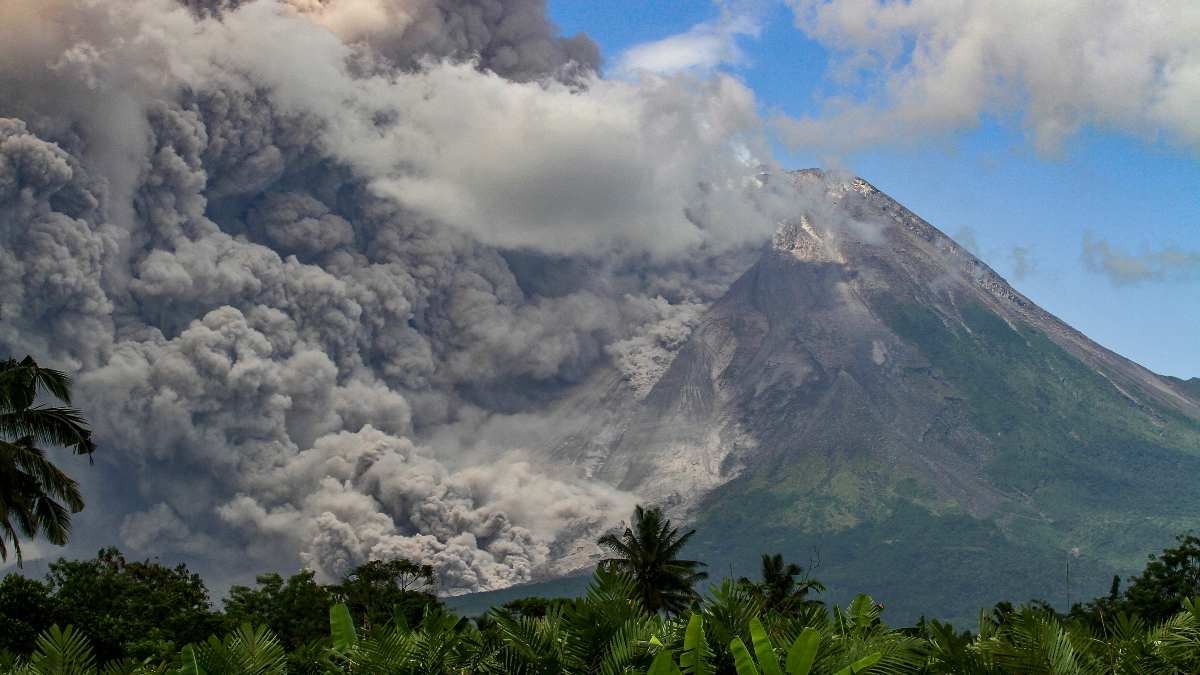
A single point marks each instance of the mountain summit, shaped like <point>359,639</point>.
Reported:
<point>872,398</point>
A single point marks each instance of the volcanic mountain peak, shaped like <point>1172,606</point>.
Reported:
<point>864,226</point>
<point>868,372</point>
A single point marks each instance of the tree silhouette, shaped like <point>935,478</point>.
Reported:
<point>648,552</point>
<point>780,589</point>
<point>36,497</point>
<point>380,591</point>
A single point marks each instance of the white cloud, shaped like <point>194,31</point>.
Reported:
<point>935,66</point>
<point>703,47</point>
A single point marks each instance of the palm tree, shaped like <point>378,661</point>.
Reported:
<point>648,552</point>
<point>779,588</point>
<point>36,497</point>
<point>249,650</point>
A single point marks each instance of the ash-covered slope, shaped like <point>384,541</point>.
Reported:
<point>872,395</point>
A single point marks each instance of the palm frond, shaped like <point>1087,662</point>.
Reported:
<point>248,650</point>
<point>24,457</point>
<point>63,651</point>
<point>24,380</point>
<point>62,427</point>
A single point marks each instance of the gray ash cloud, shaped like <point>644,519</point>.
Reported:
<point>286,245</point>
<point>513,38</point>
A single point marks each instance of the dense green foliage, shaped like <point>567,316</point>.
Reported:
<point>609,631</point>
<point>143,609</point>
<point>36,497</point>
<point>26,608</point>
<point>378,592</point>
<point>296,608</point>
<point>129,608</point>
<point>1154,594</point>
<point>126,617</point>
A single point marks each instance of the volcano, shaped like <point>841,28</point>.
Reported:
<point>876,403</point>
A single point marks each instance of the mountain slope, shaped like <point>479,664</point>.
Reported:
<point>872,395</point>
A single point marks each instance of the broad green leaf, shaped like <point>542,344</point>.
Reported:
<point>768,663</point>
<point>866,662</point>
<point>741,658</point>
<point>694,659</point>
<point>803,652</point>
<point>861,664</point>
<point>664,664</point>
<point>1192,606</point>
<point>341,627</point>
<point>189,664</point>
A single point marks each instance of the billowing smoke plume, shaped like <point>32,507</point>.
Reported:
<point>309,256</point>
<point>512,38</point>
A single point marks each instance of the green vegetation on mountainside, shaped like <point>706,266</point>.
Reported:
<point>1085,467</point>
<point>1083,455</point>
<point>945,566</point>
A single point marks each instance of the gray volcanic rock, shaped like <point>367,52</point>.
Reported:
<point>867,376</point>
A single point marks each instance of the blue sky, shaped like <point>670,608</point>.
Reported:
<point>1027,210</point>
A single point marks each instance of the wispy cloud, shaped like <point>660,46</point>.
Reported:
<point>704,46</point>
<point>1166,264</point>
<point>1023,262</point>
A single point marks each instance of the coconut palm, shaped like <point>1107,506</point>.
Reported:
<point>648,552</point>
<point>36,497</point>
<point>780,589</point>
